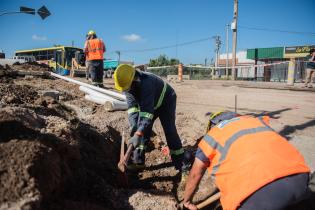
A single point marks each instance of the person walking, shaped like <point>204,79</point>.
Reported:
<point>94,49</point>
<point>310,69</point>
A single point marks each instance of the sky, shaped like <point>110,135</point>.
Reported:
<point>131,27</point>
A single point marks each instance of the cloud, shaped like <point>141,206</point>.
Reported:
<point>39,38</point>
<point>132,37</point>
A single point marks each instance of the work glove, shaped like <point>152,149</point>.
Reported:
<point>135,141</point>
<point>132,130</point>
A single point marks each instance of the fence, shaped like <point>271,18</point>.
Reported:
<point>195,73</point>
<point>268,72</point>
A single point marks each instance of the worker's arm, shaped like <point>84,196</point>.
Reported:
<point>146,103</point>
<point>85,49</point>
<point>133,112</point>
<point>195,175</point>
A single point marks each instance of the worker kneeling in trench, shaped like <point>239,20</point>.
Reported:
<point>252,165</point>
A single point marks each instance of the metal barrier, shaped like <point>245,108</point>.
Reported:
<point>270,72</point>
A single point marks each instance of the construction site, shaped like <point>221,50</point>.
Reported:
<point>162,126</point>
<point>60,151</point>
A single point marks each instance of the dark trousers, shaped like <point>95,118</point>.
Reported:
<point>278,194</point>
<point>166,113</point>
<point>96,70</point>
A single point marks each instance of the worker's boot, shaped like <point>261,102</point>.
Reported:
<point>182,161</point>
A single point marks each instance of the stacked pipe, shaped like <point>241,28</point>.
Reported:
<point>111,100</point>
<point>108,101</point>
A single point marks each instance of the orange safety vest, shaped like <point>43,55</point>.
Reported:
<point>95,49</point>
<point>245,154</point>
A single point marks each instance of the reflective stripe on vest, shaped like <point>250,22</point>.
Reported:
<point>213,143</point>
<point>177,152</point>
<point>95,51</point>
<point>133,110</point>
<point>245,155</point>
<point>141,147</point>
<point>160,101</point>
<point>146,115</point>
<point>233,139</point>
<point>228,143</point>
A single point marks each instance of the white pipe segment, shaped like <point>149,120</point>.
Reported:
<point>91,92</point>
<point>107,92</point>
<point>109,105</point>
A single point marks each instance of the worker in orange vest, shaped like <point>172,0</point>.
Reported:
<point>94,50</point>
<point>252,165</point>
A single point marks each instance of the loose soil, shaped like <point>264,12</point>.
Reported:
<point>63,154</point>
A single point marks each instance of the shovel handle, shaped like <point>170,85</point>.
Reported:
<point>209,200</point>
<point>122,146</point>
<point>123,162</point>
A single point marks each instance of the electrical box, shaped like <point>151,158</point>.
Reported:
<point>233,26</point>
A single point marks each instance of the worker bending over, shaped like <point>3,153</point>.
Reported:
<point>94,50</point>
<point>149,98</point>
<point>252,165</point>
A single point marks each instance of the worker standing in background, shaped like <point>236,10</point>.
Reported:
<point>94,50</point>
<point>310,69</point>
<point>252,165</point>
<point>149,98</point>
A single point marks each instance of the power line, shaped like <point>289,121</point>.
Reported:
<point>275,30</point>
<point>166,47</point>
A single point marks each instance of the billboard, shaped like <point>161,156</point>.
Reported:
<point>297,51</point>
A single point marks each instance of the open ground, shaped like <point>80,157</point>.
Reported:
<point>63,154</point>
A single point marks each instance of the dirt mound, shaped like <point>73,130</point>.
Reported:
<point>31,66</point>
<point>17,94</point>
<point>63,154</point>
<point>50,166</point>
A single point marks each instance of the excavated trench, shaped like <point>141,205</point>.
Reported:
<point>52,158</point>
<point>48,160</point>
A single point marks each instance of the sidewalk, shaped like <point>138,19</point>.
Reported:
<point>269,85</point>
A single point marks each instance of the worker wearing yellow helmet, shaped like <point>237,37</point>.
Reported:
<point>149,98</point>
<point>94,49</point>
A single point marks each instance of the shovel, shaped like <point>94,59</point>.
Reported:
<point>124,157</point>
<point>209,200</point>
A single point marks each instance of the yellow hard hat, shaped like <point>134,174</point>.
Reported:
<point>123,77</point>
<point>91,32</point>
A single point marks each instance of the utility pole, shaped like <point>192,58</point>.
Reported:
<point>227,51</point>
<point>217,50</point>
<point>118,53</point>
<point>234,29</point>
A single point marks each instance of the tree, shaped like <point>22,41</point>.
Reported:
<point>163,60</point>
